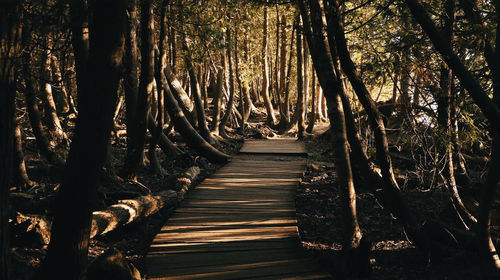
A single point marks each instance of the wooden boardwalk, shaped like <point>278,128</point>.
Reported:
<point>240,223</point>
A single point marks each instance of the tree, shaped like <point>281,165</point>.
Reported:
<point>136,152</point>
<point>312,18</point>
<point>67,252</point>
<point>11,15</point>
<point>265,75</point>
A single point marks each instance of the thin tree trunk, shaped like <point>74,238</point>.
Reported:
<point>271,119</point>
<point>333,89</point>
<point>243,106</point>
<point>35,119</point>
<point>67,252</point>
<point>195,90</point>
<point>62,93</point>
<point>300,85</point>
<point>130,80</point>
<point>230,102</point>
<point>21,179</point>
<point>314,107</point>
<point>444,115</point>
<point>135,155</point>
<point>390,187</point>
<point>56,131</point>
<point>282,72</point>
<point>190,135</point>
<point>217,99</point>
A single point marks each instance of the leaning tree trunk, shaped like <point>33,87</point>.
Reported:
<point>190,135</point>
<point>56,132</point>
<point>79,25</point>
<point>34,115</point>
<point>243,106</point>
<point>10,38</point>
<point>67,252</point>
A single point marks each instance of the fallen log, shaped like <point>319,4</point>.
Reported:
<point>117,215</point>
<point>183,183</point>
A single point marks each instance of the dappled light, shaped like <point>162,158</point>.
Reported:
<point>238,223</point>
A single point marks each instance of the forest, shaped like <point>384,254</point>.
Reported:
<point>113,111</point>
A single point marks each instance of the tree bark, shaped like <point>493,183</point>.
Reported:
<point>160,64</point>
<point>467,80</point>
<point>300,84</point>
<point>390,187</point>
<point>135,155</point>
<point>271,119</point>
<point>67,253</point>
<point>130,80</point>
<point>11,15</point>
<point>312,114</point>
<point>230,102</point>
<point>190,135</point>
<point>333,88</point>
<point>55,129</point>
<point>217,100</point>
<point>20,178</point>
<point>61,93</point>
<point>195,92</point>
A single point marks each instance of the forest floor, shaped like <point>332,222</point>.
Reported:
<point>393,256</point>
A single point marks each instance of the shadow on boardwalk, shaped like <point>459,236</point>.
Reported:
<point>240,223</point>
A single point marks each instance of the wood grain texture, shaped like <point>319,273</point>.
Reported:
<point>240,223</point>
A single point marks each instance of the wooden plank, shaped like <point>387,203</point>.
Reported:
<point>240,223</point>
<point>275,268</point>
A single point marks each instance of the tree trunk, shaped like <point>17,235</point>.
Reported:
<point>217,99</point>
<point>285,107</point>
<point>67,253</point>
<point>35,119</point>
<point>61,93</point>
<point>11,15</point>
<point>135,155</point>
<point>190,135</point>
<point>300,85</point>
<point>230,102</point>
<point>130,80</point>
<point>333,89</point>
<point>314,107</point>
<point>160,64</point>
<point>20,178</point>
<point>195,91</point>
<point>390,187</point>
<point>55,129</point>
<point>444,117</point>
<point>271,119</point>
